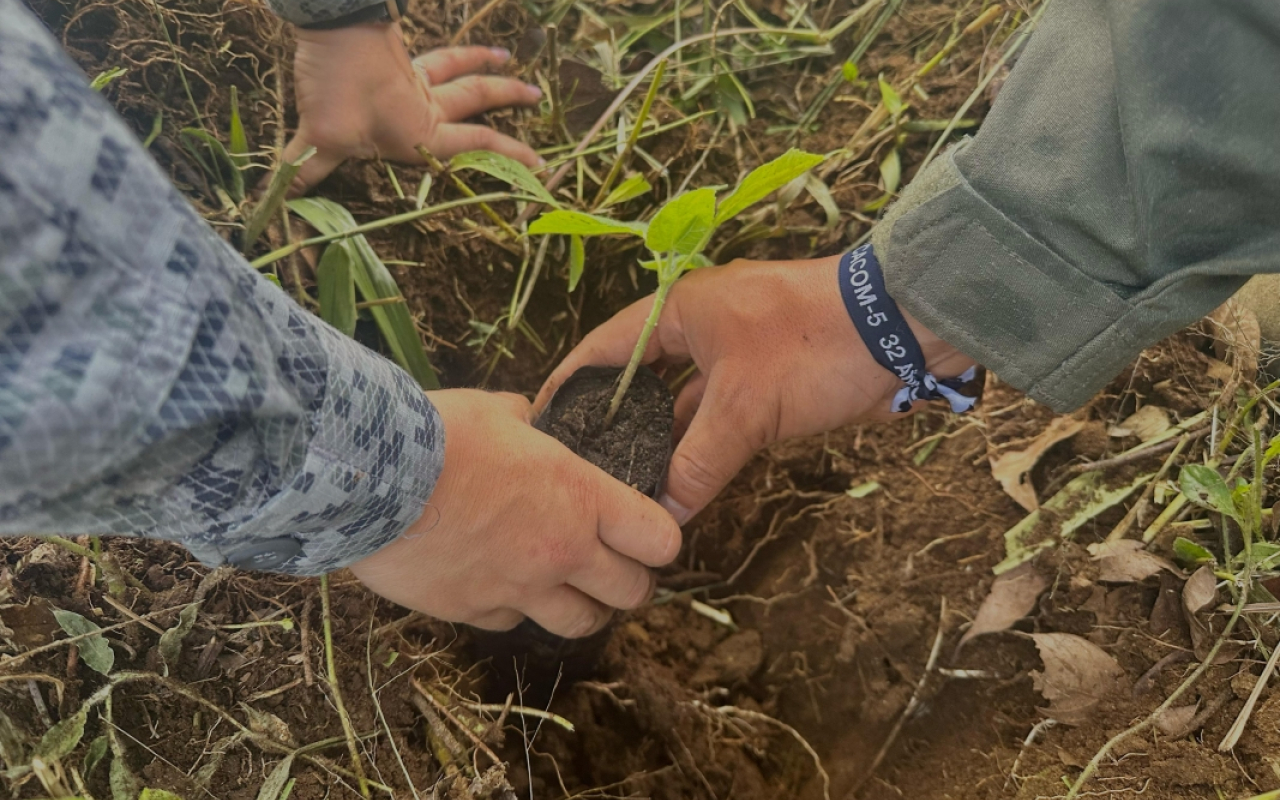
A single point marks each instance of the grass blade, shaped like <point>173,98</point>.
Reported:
<point>337,288</point>
<point>238,148</point>
<point>276,190</point>
<point>375,282</point>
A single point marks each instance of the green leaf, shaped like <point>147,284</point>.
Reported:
<point>337,287</point>
<point>822,194</point>
<point>1189,554</point>
<point>124,784</point>
<point>58,742</point>
<point>223,169</point>
<point>157,124</point>
<point>104,78</point>
<point>629,189</point>
<point>273,787</point>
<point>269,206</point>
<point>504,168</point>
<point>891,171</point>
<point>850,71</point>
<point>892,102</point>
<point>13,743</point>
<point>683,225</point>
<point>577,260</point>
<point>375,283</point>
<point>1205,487</point>
<point>763,180</point>
<point>1265,554</point>
<point>95,652</point>
<point>94,755</point>
<point>696,261</point>
<point>158,794</point>
<point>238,148</point>
<point>862,489</point>
<point>171,640</point>
<point>580,224</point>
<point>1273,450</point>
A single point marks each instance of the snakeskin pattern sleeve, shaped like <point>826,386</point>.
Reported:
<point>152,383</point>
<point>304,12</point>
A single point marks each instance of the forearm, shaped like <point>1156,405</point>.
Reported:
<point>151,383</point>
<point>1125,184</point>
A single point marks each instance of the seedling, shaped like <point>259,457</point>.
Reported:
<point>676,236</point>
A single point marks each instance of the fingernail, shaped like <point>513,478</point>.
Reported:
<point>534,91</point>
<point>501,53</point>
<point>676,510</point>
<point>542,162</point>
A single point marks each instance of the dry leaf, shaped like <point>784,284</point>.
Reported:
<point>1199,597</point>
<point>1012,597</point>
<point>1127,561</point>
<point>584,94</point>
<point>1201,592</point>
<point>273,727</point>
<point>1176,720</point>
<point>1077,676</point>
<point>1012,468</point>
<point>1146,423</point>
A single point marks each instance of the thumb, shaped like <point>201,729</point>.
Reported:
<point>312,170</point>
<point>724,434</point>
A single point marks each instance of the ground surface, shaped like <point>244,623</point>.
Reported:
<point>807,630</point>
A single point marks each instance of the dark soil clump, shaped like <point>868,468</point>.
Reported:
<point>635,449</point>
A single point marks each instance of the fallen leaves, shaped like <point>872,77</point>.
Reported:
<point>1128,561</point>
<point>1146,423</point>
<point>1012,597</point>
<point>1013,467</point>
<point>1078,675</point>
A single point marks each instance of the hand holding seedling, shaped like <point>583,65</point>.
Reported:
<point>359,96</point>
<point>520,526</point>
<point>777,357</point>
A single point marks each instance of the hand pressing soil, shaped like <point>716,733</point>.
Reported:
<point>635,448</point>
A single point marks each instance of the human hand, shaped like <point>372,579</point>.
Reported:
<point>777,357</point>
<point>518,525</point>
<point>359,96</point>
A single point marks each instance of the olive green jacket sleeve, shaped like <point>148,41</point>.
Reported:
<point>1126,182</point>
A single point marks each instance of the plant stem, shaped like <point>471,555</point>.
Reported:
<point>385,222</point>
<point>659,300</point>
<point>621,160</point>
<point>332,669</point>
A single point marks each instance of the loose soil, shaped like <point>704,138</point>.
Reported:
<point>636,446</point>
<point>799,619</point>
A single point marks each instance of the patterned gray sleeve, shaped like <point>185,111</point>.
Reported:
<point>305,12</point>
<point>152,383</point>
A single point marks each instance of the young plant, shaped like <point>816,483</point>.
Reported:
<point>676,235</point>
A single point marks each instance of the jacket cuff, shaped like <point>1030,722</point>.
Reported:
<point>375,454</point>
<point>310,12</point>
<point>982,284</point>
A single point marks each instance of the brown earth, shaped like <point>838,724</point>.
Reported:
<point>801,626</point>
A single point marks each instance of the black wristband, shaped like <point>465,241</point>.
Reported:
<point>381,11</point>
<point>885,332</point>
